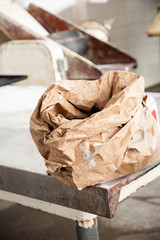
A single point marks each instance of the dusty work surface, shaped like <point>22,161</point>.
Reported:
<point>22,172</point>
<point>137,218</point>
<point>19,155</point>
<point>20,163</point>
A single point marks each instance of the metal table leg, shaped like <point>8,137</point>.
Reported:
<point>87,230</point>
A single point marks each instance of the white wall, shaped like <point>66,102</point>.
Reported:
<point>133,18</point>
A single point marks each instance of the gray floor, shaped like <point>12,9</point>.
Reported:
<point>137,218</point>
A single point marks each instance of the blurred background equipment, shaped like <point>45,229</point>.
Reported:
<point>98,29</point>
<point>26,48</point>
<point>85,55</point>
<point>104,55</point>
<point>38,59</point>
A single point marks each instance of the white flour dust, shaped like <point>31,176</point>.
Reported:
<point>87,155</point>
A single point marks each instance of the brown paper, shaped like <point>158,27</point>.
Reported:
<point>93,131</point>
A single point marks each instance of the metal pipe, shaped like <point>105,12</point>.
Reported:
<point>87,230</point>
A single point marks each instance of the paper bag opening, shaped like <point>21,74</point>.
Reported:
<point>94,131</point>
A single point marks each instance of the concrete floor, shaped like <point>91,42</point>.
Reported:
<point>137,218</point>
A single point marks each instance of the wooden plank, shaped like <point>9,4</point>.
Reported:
<point>154,29</point>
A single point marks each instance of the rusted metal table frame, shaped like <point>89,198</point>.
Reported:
<point>100,200</point>
<point>32,187</point>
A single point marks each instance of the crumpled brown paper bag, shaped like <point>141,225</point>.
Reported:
<point>93,131</point>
